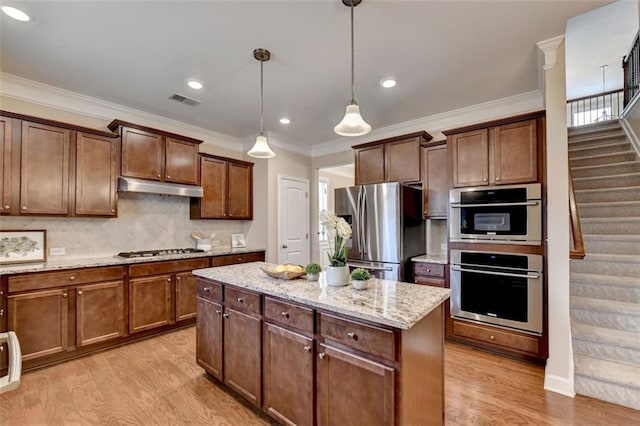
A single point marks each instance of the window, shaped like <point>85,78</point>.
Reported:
<point>323,204</point>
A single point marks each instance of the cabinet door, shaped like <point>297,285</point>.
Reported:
<point>353,390</point>
<point>288,376</point>
<point>39,319</point>
<point>181,162</point>
<point>402,160</point>
<point>369,165</point>
<point>6,166</point>
<point>240,191</point>
<point>96,174</point>
<point>150,302</point>
<point>435,182</point>
<point>209,337</point>
<point>44,169</point>
<point>141,154</point>
<point>185,296</point>
<point>242,355</point>
<point>470,158</point>
<point>514,151</point>
<point>99,312</point>
<point>213,204</point>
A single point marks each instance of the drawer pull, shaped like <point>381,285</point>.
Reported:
<point>321,355</point>
<point>240,299</point>
<point>307,348</point>
<point>7,206</point>
<point>218,311</point>
<point>428,270</point>
<point>207,289</point>
<point>158,174</point>
<point>352,335</point>
<point>72,278</point>
<point>239,259</point>
<point>285,315</point>
<point>225,316</point>
<point>492,337</point>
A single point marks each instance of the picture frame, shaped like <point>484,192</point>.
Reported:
<point>237,241</point>
<point>23,246</point>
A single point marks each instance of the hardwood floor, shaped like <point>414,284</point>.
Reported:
<point>157,382</point>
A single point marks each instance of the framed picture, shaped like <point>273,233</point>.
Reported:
<point>237,241</point>
<point>23,246</point>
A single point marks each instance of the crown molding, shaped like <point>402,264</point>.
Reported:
<point>550,47</point>
<point>435,124</point>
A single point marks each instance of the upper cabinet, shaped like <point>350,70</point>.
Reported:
<point>395,159</point>
<point>96,175</point>
<point>435,180</point>
<point>157,155</point>
<point>7,163</point>
<point>497,153</point>
<point>228,189</point>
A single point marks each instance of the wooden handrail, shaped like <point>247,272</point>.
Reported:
<point>577,251</point>
<point>610,92</point>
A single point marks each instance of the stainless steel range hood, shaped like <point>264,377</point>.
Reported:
<point>127,184</point>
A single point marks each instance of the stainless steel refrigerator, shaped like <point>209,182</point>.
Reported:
<point>388,228</point>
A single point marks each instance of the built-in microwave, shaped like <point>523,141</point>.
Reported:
<point>509,214</point>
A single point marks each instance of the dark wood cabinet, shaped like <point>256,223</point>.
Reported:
<point>150,302</point>
<point>288,380</point>
<point>498,339</point>
<point>141,154</point>
<point>435,182</point>
<point>228,189</point>
<point>99,312</point>
<point>209,336</point>
<point>181,161</point>
<point>6,166</point>
<point>243,354</point>
<point>96,174</point>
<point>470,154</point>
<point>353,389</point>
<point>185,296</point>
<point>427,273</point>
<point>39,319</point>
<point>514,153</point>
<point>369,165</point>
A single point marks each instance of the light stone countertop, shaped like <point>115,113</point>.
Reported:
<point>431,258</point>
<point>395,304</point>
<point>112,261</point>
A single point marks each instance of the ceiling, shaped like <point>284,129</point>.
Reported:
<point>445,55</point>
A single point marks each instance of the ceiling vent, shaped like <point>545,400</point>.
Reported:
<point>184,100</point>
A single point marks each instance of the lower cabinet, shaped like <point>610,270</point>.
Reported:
<point>99,312</point>
<point>209,337</point>
<point>185,296</point>
<point>150,301</point>
<point>429,274</point>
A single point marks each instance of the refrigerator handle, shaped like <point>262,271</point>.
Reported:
<point>363,227</point>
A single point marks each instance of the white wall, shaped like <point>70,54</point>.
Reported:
<point>335,181</point>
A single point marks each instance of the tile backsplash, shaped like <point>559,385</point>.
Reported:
<point>144,222</point>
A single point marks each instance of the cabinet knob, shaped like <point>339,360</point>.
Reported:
<point>285,315</point>
<point>239,259</point>
<point>492,337</point>
<point>178,278</point>
<point>352,335</point>
<point>113,210</point>
<point>307,348</point>
<point>72,278</point>
<point>321,355</point>
<point>168,177</point>
<point>218,311</point>
<point>1,312</point>
<point>64,295</point>
<point>484,180</point>
<point>168,280</point>
<point>79,292</point>
<point>225,316</point>
<point>207,289</point>
<point>428,270</point>
<point>159,175</point>
<point>24,207</point>
<point>230,214</point>
<point>7,206</point>
<point>497,178</point>
<point>240,299</point>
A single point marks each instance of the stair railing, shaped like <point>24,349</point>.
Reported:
<point>577,242</point>
<point>631,67</point>
<point>595,108</point>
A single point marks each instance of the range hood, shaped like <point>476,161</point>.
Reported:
<point>127,184</point>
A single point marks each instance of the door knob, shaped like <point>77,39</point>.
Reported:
<point>284,246</point>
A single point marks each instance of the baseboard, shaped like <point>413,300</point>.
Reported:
<point>561,385</point>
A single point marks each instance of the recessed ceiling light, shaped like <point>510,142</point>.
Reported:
<point>15,13</point>
<point>388,82</point>
<point>285,120</point>
<point>195,84</point>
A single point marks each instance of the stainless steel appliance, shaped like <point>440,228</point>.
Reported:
<point>504,289</point>
<point>388,228</point>
<point>161,252</point>
<point>510,214</point>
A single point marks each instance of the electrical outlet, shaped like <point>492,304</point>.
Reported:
<point>57,251</point>
<point>215,243</point>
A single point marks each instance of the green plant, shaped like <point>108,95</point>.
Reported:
<point>313,268</point>
<point>360,274</point>
<point>341,232</point>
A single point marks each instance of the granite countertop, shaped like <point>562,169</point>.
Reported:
<point>431,258</point>
<point>88,262</point>
<point>396,304</point>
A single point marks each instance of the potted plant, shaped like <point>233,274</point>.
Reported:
<point>337,272</point>
<point>360,278</point>
<point>312,270</point>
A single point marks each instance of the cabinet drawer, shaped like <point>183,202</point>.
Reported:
<point>232,259</point>
<point>209,290</point>
<point>376,341</point>
<point>436,282</point>
<point>429,269</point>
<point>241,300</point>
<point>38,281</point>
<point>288,314</point>
<point>167,267</point>
<point>506,339</point>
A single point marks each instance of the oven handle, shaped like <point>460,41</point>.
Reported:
<point>503,274</point>
<point>524,203</point>
<point>12,380</point>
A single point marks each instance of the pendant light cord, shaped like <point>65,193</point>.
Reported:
<point>352,59</point>
<point>261,94</point>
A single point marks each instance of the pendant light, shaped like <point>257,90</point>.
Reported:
<point>261,147</point>
<point>352,124</point>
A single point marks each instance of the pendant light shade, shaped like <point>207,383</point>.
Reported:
<point>261,147</point>
<point>352,124</point>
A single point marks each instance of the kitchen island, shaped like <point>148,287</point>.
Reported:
<point>307,353</point>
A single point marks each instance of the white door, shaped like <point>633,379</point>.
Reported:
<point>293,220</point>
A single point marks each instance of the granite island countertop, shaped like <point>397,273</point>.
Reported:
<point>90,262</point>
<point>392,303</point>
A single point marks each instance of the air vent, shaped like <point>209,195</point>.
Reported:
<point>184,100</point>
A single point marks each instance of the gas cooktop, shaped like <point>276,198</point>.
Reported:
<point>153,253</point>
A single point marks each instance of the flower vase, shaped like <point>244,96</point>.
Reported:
<point>337,276</point>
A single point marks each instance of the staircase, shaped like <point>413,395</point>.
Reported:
<point>605,285</point>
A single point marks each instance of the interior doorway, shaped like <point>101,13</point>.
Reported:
<point>293,220</point>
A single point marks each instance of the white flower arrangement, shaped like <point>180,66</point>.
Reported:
<point>340,231</point>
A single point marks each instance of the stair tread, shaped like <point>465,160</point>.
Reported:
<point>582,277</point>
<point>621,188</point>
<point>590,147</point>
<point>610,219</point>
<point>605,305</point>
<point>608,371</point>
<point>612,237</point>
<point>610,203</point>
<point>621,175</point>
<point>611,336</point>
<point>603,166</point>
<point>595,127</point>
<point>587,137</point>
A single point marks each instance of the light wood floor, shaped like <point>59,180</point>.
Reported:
<point>156,382</point>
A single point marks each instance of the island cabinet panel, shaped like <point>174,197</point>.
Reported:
<point>288,314</point>
<point>288,381</point>
<point>240,190</point>
<point>425,273</point>
<point>243,355</point>
<point>470,154</point>
<point>435,182</point>
<point>142,154</point>
<point>185,296</point>
<point>369,165</point>
<point>39,319</point>
<point>514,153</point>
<point>150,302</point>
<point>181,165</point>
<point>99,312</point>
<point>373,340</point>
<point>96,174</point>
<point>209,337</point>
<point>353,390</point>
<point>402,160</point>
<point>44,169</point>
